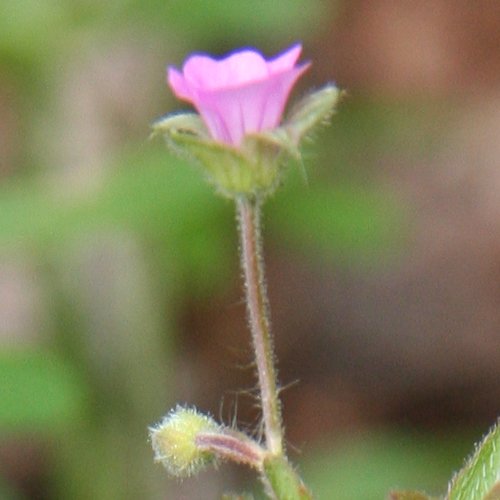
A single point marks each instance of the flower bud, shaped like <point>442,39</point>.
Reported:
<point>174,441</point>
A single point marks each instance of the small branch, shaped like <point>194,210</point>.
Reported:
<point>235,447</point>
<point>258,315</point>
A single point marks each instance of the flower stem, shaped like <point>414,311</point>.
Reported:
<point>258,315</point>
<point>231,445</point>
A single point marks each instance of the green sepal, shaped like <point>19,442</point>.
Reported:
<point>253,169</point>
<point>310,112</point>
<point>181,123</point>
<point>479,479</point>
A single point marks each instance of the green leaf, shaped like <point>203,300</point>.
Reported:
<point>38,391</point>
<point>479,478</point>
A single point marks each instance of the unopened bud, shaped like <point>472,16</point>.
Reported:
<point>174,441</point>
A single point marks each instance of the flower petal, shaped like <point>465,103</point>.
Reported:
<point>286,60</point>
<point>239,94</point>
<point>178,84</point>
<point>233,113</point>
<point>277,92</point>
<point>239,68</point>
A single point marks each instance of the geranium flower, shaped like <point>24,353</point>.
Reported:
<point>239,94</point>
<point>238,136</point>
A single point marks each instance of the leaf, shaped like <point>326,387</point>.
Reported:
<point>479,478</point>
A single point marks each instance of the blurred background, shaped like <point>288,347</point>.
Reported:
<point>120,290</point>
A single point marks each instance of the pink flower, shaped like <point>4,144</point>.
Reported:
<point>240,94</point>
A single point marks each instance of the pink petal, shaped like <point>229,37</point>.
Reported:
<point>178,84</point>
<point>239,68</point>
<point>251,108</point>
<point>240,109</point>
<point>216,123</point>
<point>278,92</point>
<point>239,94</point>
<point>286,60</point>
<point>243,67</point>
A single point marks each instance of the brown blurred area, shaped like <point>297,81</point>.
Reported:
<point>416,341</point>
<point>436,47</point>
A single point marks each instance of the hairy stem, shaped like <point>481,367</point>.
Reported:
<point>258,315</point>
